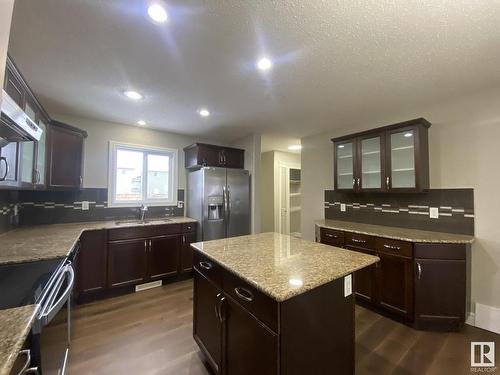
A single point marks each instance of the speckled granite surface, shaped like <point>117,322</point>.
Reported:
<point>282,266</point>
<point>403,234</point>
<point>28,244</point>
<point>15,325</point>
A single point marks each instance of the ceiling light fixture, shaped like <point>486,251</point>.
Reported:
<point>295,147</point>
<point>408,135</point>
<point>157,13</point>
<point>264,64</point>
<point>141,122</point>
<point>131,94</point>
<point>203,112</point>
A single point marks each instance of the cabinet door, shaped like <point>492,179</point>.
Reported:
<point>440,292</point>
<point>233,158</point>
<point>65,158</point>
<point>163,256</point>
<point>365,280</point>
<point>371,156</point>
<point>207,327</point>
<point>401,159</point>
<point>92,262</point>
<point>209,156</point>
<point>127,262</point>
<point>395,284</point>
<point>27,159</point>
<point>345,165</point>
<point>9,166</point>
<point>14,88</point>
<point>249,347</point>
<point>40,155</point>
<point>187,251</point>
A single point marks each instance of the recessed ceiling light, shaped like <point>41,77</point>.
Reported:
<point>295,147</point>
<point>141,122</point>
<point>264,64</point>
<point>407,135</point>
<point>157,13</point>
<point>204,112</point>
<point>131,94</point>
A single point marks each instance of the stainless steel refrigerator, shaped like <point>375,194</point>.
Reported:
<point>219,198</point>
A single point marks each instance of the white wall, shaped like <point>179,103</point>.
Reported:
<point>464,152</point>
<point>252,146</point>
<point>6,7</point>
<point>97,146</point>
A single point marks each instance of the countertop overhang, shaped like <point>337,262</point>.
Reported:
<point>283,266</point>
<point>395,233</point>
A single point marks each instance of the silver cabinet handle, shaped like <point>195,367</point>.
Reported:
<point>419,271</point>
<point>145,246</point>
<point>353,182</point>
<point>358,241</point>
<point>216,306</point>
<point>27,353</point>
<point>391,247</point>
<point>206,265</point>
<point>244,294</point>
<point>183,239</point>
<point>388,182</point>
<point>150,245</point>
<point>358,181</point>
<point>4,159</point>
<point>331,235</point>
<point>32,370</point>
<point>81,180</point>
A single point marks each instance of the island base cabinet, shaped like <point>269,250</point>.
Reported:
<point>250,347</point>
<point>207,327</point>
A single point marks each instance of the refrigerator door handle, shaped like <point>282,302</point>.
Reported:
<point>228,200</point>
<point>224,200</point>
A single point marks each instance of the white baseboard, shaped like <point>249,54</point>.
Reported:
<point>487,317</point>
<point>152,284</point>
<point>471,319</point>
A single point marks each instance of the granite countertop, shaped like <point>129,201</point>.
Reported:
<point>403,234</point>
<point>40,242</point>
<point>283,266</point>
<point>15,325</point>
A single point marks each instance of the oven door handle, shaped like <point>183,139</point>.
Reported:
<point>49,314</point>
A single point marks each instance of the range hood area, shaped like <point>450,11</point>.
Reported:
<point>15,124</point>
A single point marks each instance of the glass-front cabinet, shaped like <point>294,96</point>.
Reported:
<point>392,158</point>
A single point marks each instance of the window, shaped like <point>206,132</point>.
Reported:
<point>141,175</point>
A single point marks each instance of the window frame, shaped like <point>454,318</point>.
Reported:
<point>146,150</point>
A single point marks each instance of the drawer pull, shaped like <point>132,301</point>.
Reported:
<point>392,247</point>
<point>331,235</point>
<point>419,271</point>
<point>358,241</point>
<point>206,265</point>
<point>244,294</point>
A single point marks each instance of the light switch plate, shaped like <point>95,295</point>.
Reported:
<point>342,207</point>
<point>347,285</point>
<point>434,212</point>
<point>85,205</point>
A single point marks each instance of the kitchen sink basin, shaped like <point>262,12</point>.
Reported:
<point>142,222</point>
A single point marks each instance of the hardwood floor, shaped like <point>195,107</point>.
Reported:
<point>150,332</point>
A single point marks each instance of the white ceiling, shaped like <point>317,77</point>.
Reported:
<point>278,142</point>
<point>336,62</point>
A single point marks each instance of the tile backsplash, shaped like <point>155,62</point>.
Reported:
<point>456,209</point>
<point>53,207</point>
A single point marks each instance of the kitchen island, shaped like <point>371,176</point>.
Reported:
<point>274,304</point>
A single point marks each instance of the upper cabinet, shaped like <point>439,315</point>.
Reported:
<point>204,155</point>
<point>392,158</point>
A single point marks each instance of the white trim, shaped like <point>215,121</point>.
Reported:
<point>471,319</point>
<point>173,180</point>
<point>487,317</point>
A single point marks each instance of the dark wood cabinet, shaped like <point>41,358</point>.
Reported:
<point>163,257</point>
<point>187,251</point>
<point>92,262</point>
<point>392,158</point>
<point>65,156</point>
<point>250,347</point>
<point>204,155</point>
<point>207,327</point>
<point>127,262</point>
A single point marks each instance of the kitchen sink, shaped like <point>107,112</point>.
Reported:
<point>142,222</point>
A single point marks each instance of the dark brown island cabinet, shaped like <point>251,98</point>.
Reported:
<point>421,284</point>
<point>200,155</point>
<point>242,331</point>
<point>124,257</point>
<point>55,161</point>
<point>391,158</point>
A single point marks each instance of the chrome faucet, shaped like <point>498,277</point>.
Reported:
<point>143,211</point>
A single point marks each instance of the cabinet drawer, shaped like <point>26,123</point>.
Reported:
<point>188,227</point>
<point>208,268</point>
<point>143,231</point>
<point>394,247</point>
<point>441,251</point>
<point>332,237</point>
<point>360,241</point>
<point>260,305</point>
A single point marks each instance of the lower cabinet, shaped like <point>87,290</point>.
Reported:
<point>127,262</point>
<point>163,257</point>
<point>187,251</point>
<point>92,262</point>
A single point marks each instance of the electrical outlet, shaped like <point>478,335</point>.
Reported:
<point>180,204</point>
<point>347,285</point>
<point>342,207</point>
<point>85,205</point>
<point>434,212</point>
